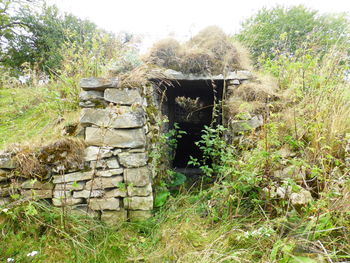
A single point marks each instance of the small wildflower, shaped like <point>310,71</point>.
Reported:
<point>32,254</point>
<point>10,260</point>
<point>5,210</point>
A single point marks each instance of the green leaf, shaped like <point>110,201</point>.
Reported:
<point>302,260</point>
<point>178,179</point>
<point>161,198</point>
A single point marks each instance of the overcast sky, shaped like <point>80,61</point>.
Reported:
<point>156,19</point>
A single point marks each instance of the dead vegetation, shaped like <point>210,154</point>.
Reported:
<point>38,162</point>
<point>254,96</point>
<point>211,51</point>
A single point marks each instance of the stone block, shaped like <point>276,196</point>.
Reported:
<point>104,182</point>
<point>140,191</point>
<point>123,96</point>
<point>133,138</point>
<point>114,217</point>
<point>139,203</point>
<point>6,161</point>
<point>111,163</point>
<point>93,153</point>
<point>234,82</point>
<point>130,160</point>
<point>69,201</point>
<point>34,184</point>
<point>117,117</point>
<point>36,194</point>
<point>88,193</point>
<point>104,204</point>
<point>117,192</point>
<point>139,215</point>
<point>302,198</point>
<point>70,186</point>
<point>247,125</point>
<point>73,177</point>
<point>62,194</point>
<point>138,176</point>
<point>109,173</point>
<point>98,83</point>
<point>83,210</point>
<point>91,95</point>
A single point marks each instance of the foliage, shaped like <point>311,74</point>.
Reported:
<point>287,29</point>
<point>44,34</point>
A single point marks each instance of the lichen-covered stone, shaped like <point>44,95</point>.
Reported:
<point>104,182</point>
<point>130,160</point>
<point>6,161</point>
<point>73,177</point>
<point>117,192</point>
<point>111,163</point>
<point>37,194</point>
<point>247,125</point>
<point>123,96</point>
<point>88,193</point>
<point>138,176</point>
<point>69,201</point>
<point>114,217</point>
<point>62,194</point>
<point>140,191</point>
<point>98,83</point>
<point>118,117</point>
<point>139,215</point>
<point>139,203</point>
<point>70,186</point>
<point>34,184</point>
<point>302,198</point>
<point>104,204</point>
<point>93,153</point>
<point>133,138</point>
<point>91,95</point>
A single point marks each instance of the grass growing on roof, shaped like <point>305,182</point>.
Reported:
<point>211,51</point>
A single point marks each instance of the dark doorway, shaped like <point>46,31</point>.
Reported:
<point>190,104</point>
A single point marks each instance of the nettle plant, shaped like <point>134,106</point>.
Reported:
<point>234,179</point>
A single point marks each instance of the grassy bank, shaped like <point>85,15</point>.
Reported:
<point>35,114</point>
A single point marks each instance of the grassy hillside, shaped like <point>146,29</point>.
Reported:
<point>279,193</point>
<point>34,114</point>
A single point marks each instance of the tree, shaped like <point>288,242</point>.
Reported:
<point>43,33</point>
<point>285,30</point>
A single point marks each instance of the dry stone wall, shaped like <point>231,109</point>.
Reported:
<point>115,182</point>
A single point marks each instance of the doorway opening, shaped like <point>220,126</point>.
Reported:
<point>190,104</point>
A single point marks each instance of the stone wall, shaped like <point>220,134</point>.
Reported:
<point>114,182</point>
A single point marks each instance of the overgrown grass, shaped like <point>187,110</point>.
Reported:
<point>182,231</point>
<point>34,114</point>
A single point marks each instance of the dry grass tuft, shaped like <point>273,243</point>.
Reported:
<point>165,53</point>
<point>196,61</point>
<point>253,96</point>
<point>264,88</point>
<point>37,162</point>
<point>211,51</point>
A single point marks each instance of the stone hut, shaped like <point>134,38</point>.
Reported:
<point>115,181</point>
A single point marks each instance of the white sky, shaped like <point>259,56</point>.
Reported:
<point>156,19</point>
